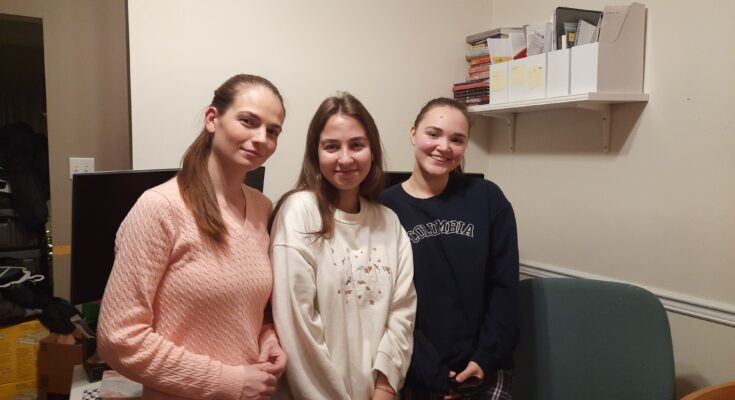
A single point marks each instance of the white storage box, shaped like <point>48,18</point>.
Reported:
<point>557,73</point>
<point>499,83</point>
<point>527,78</point>
<point>535,77</point>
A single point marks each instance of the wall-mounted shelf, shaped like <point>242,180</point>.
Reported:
<point>599,102</point>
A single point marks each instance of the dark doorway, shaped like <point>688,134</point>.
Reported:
<point>24,175</point>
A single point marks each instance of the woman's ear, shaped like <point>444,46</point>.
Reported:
<point>210,118</point>
<point>413,135</point>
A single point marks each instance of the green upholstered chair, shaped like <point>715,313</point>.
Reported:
<point>583,339</point>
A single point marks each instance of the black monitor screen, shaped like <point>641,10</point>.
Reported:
<point>100,202</point>
<point>396,177</point>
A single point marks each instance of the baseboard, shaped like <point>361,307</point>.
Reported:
<point>695,307</point>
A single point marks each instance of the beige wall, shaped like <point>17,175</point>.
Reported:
<point>656,211</point>
<point>87,99</point>
<point>393,55</point>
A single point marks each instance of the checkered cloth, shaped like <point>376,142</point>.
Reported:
<point>499,391</point>
<point>91,394</point>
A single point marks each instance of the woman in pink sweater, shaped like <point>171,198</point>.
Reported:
<point>183,311</point>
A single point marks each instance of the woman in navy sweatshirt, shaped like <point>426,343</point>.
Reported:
<point>463,234</point>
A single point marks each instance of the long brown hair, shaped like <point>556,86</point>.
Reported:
<point>311,178</point>
<point>445,102</point>
<point>194,181</point>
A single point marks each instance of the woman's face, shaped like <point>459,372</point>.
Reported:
<point>440,140</point>
<point>344,154</point>
<point>246,134</point>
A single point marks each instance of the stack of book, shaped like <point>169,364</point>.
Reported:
<point>476,88</point>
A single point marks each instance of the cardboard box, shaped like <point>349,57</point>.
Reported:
<point>56,363</point>
<point>18,351</point>
<point>23,390</point>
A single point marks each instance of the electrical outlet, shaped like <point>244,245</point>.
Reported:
<point>80,165</point>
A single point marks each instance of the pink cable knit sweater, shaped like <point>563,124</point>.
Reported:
<point>181,314</point>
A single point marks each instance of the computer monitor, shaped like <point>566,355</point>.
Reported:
<point>100,202</point>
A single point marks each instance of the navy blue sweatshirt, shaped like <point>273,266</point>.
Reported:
<point>465,251</point>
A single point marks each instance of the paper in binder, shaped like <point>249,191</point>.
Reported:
<point>586,33</point>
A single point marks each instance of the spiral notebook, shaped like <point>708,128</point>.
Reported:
<point>586,33</point>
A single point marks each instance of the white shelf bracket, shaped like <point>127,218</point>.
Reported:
<point>510,119</point>
<point>605,111</point>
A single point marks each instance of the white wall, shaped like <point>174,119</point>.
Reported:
<point>656,211</point>
<point>394,56</point>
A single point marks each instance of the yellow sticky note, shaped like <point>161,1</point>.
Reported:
<point>518,75</point>
<point>535,76</point>
<point>498,81</point>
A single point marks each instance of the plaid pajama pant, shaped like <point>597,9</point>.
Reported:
<point>499,391</point>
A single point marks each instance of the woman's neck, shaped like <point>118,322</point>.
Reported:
<point>423,186</point>
<point>227,184</point>
<point>349,202</point>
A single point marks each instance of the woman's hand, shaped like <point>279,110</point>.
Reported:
<point>259,384</point>
<point>451,395</point>
<point>472,369</point>
<point>273,356</point>
<point>383,390</point>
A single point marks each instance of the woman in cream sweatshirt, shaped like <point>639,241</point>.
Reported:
<point>343,298</point>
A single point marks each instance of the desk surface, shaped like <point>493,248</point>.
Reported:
<point>79,383</point>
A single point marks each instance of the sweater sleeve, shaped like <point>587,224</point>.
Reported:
<point>395,347</point>
<point>498,333</point>
<point>127,340</point>
<point>310,372</point>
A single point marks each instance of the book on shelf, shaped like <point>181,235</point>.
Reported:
<point>479,75</point>
<point>478,68</point>
<point>471,95</point>
<point>477,90</point>
<point>480,61</point>
<point>475,100</point>
<point>476,53</point>
<point>471,85</point>
<point>497,32</point>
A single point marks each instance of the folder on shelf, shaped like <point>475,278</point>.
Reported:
<point>572,16</point>
<point>615,62</point>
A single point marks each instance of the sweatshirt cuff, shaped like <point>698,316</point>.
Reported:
<point>384,364</point>
<point>232,381</point>
<point>485,362</point>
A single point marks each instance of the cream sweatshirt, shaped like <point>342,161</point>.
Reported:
<point>344,308</point>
